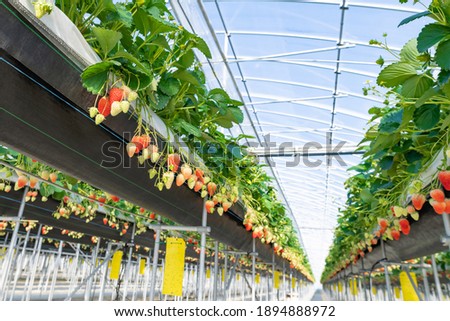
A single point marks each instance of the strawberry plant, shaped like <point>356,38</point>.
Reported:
<point>404,137</point>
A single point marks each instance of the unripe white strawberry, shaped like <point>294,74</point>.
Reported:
<point>44,199</point>
<point>99,119</point>
<point>93,111</point>
<point>132,96</point>
<point>7,188</point>
<point>131,149</point>
<point>126,91</point>
<point>116,108</point>
<point>154,157</point>
<point>125,106</point>
<point>2,186</point>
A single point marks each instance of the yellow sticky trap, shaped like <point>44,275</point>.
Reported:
<point>238,276</point>
<point>174,267</point>
<point>354,287</point>
<point>257,278</point>
<point>397,292</point>
<point>223,275</point>
<point>142,264</point>
<point>276,280</point>
<point>294,283</point>
<point>339,286</point>
<point>334,286</point>
<point>409,294</point>
<point>208,273</point>
<point>374,290</point>
<point>115,265</point>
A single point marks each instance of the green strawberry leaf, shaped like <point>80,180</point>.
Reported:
<point>413,17</point>
<point>417,85</point>
<point>396,74</point>
<point>169,86</point>
<point>391,121</point>
<point>442,56</point>
<point>430,35</point>
<point>201,45</point>
<point>427,116</point>
<point>95,76</point>
<point>107,39</point>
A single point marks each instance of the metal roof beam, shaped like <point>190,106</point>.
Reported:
<point>296,35</point>
<point>401,8</point>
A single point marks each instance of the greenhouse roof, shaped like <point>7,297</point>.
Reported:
<point>300,66</point>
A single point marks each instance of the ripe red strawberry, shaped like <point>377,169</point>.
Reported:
<point>418,200</point>
<point>180,179</point>
<point>124,231</point>
<point>142,210</point>
<point>444,178</point>
<point>152,216</point>
<point>115,198</point>
<point>173,161</point>
<point>21,181</point>
<point>211,188</point>
<point>383,223</point>
<point>53,177</point>
<point>105,221</point>
<point>374,241</point>
<point>190,240</point>
<point>439,207</point>
<point>199,173</point>
<point>395,234</point>
<point>248,226</point>
<point>198,186</point>
<point>226,205</point>
<point>115,94</point>
<point>209,206</point>
<point>404,226</point>
<point>104,106</point>
<point>447,205</point>
<point>438,195</point>
<point>186,170</point>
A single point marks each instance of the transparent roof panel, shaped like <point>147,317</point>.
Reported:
<point>300,66</point>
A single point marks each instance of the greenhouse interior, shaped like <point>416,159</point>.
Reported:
<point>225,150</point>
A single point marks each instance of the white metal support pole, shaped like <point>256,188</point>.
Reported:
<point>19,265</point>
<point>273,276</point>
<point>284,280</point>
<point>34,264</point>
<point>216,269</point>
<point>201,270</point>
<point>55,271</point>
<point>128,266</point>
<point>155,262</point>
<point>386,272</point>
<point>104,278</point>
<point>147,277</point>
<point>253,269</point>
<point>87,292</point>
<point>445,218</point>
<point>425,281</point>
<point>224,276</point>
<point>436,278</point>
<point>12,246</point>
